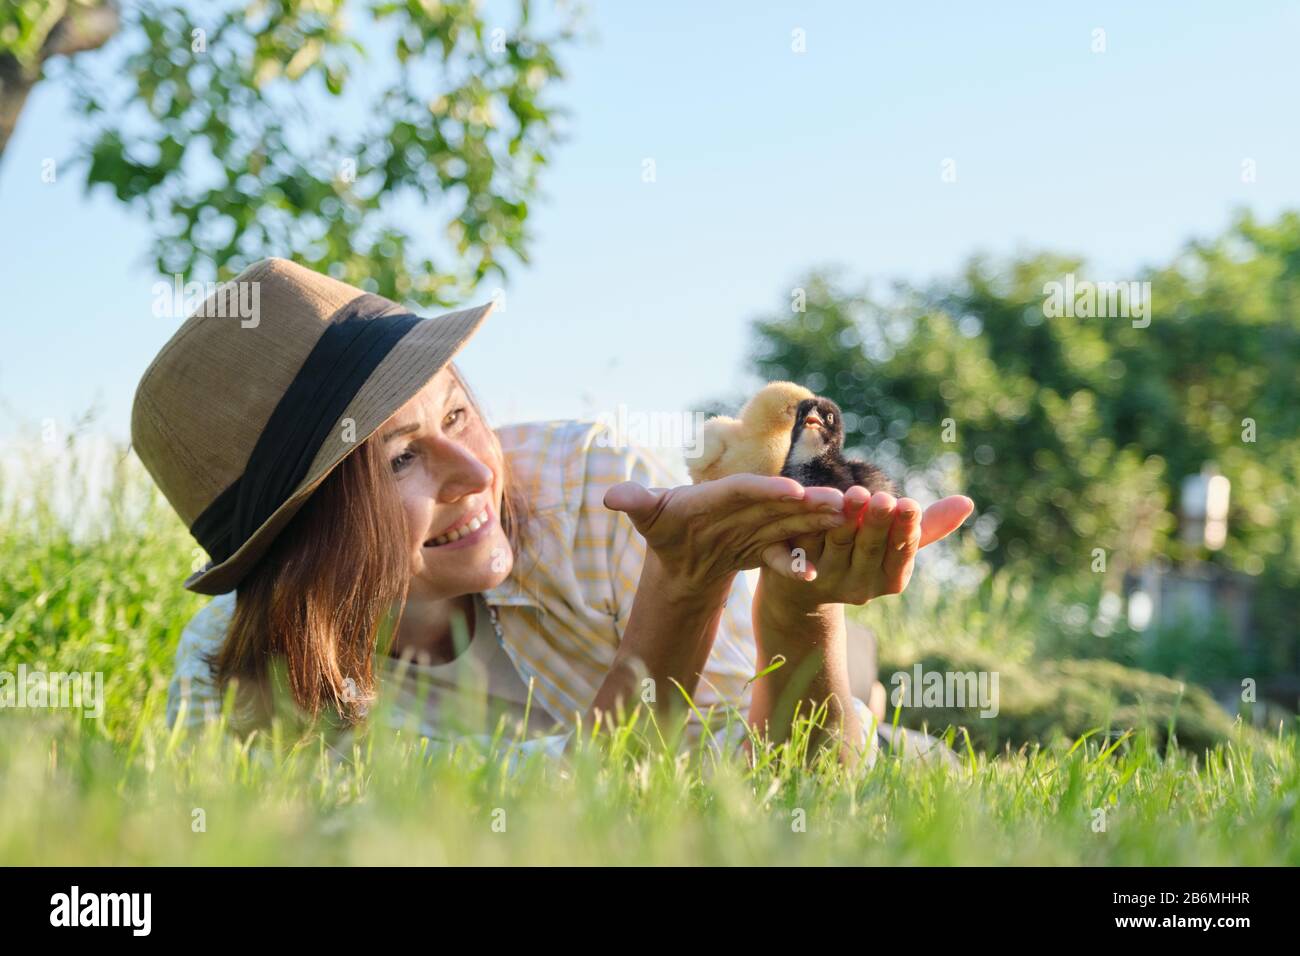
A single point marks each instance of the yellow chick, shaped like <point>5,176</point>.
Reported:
<point>757,442</point>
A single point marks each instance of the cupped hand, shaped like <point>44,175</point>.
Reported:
<point>702,534</point>
<point>872,554</point>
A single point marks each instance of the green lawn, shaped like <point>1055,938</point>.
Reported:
<point>124,789</point>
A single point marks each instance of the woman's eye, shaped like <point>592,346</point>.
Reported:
<point>454,418</point>
<point>399,462</point>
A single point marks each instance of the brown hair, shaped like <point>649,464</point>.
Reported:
<point>311,613</point>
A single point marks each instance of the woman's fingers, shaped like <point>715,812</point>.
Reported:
<point>736,490</point>
<point>773,510</point>
<point>855,499</point>
<point>837,551</point>
<point>819,501</point>
<point>636,501</point>
<point>792,526</point>
<point>742,498</point>
<point>944,517</point>
<point>869,545</point>
<point>812,547</point>
<point>781,558</point>
<point>831,499</point>
<point>904,540</point>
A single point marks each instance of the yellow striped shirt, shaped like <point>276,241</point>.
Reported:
<point>564,608</point>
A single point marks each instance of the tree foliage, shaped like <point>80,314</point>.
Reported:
<point>1074,434</point>
<point>275,127</point>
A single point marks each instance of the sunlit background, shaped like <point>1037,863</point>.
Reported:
<point>868,199</point>
<point>767,162</point>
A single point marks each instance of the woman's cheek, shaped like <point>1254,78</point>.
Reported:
<point>415,509</point>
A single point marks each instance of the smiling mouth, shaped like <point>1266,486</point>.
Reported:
<point>463,530</point>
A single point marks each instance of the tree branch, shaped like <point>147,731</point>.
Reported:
<point>82,28</point>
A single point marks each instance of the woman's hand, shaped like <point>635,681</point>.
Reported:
<point>701,535</point>
<point>871,555</point>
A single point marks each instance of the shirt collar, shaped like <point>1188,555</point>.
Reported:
<point>512,592</point>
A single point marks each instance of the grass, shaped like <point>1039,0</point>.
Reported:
<point>87,588</point>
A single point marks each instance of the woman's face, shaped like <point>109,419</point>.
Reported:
<point>448,469</point>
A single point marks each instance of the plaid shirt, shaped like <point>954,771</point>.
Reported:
<point>564,607</point>
<point>563,610</point>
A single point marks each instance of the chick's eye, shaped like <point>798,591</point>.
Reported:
<point>830,419</point>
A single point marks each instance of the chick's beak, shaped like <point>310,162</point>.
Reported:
<point>813,420</point>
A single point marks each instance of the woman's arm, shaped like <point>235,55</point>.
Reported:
<point>668,638</point>
<point>812,641</point>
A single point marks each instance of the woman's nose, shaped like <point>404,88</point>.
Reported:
<point>459,472</point>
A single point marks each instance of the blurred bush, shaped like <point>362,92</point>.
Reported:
<point>1038,699</point>
<point>1057,669</point>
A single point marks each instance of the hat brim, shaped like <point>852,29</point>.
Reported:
<point>420,355</point>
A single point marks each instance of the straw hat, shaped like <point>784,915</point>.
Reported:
<point>246,410</point>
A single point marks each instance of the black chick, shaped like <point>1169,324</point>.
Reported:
<point>816,457</point>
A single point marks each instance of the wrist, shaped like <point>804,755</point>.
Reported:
<point>794,598</point>
<point>791,622</point>
<point>682,591</point>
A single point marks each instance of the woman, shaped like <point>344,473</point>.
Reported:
<point>333,465</point>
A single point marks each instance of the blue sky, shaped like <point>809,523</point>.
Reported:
<point>768,163</point>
